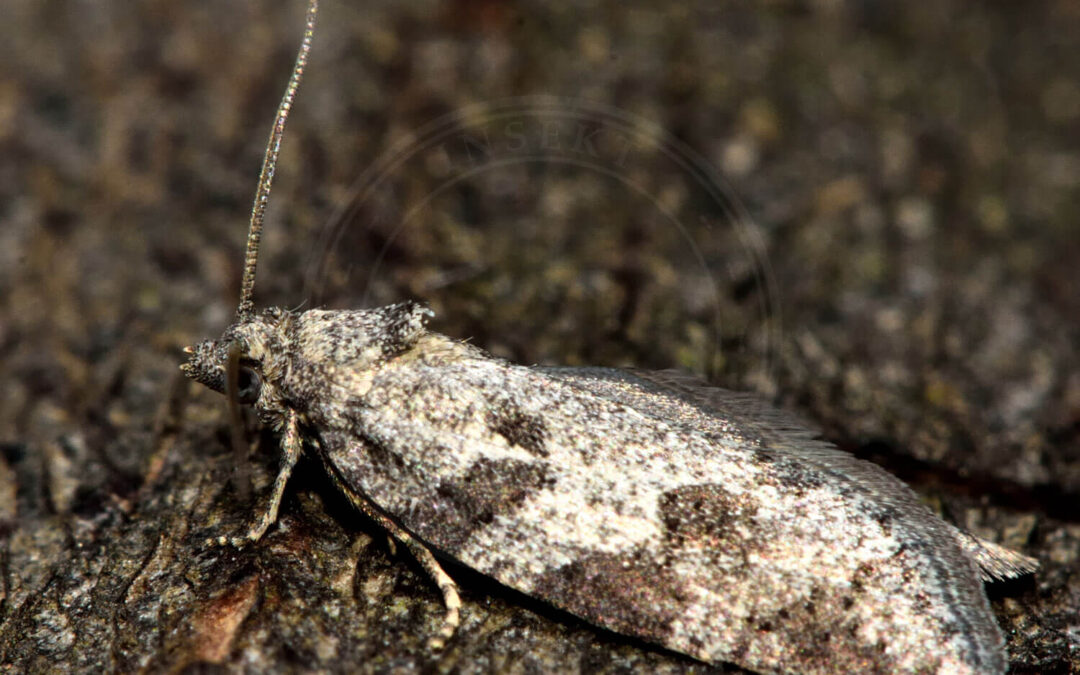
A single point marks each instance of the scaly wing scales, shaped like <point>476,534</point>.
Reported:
<point>640,515</point>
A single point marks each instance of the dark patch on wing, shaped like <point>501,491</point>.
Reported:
<point>701,515</point>
<point>828,632</point>
<point>797,479</point>
<point>383,456</point>
<point>520,428</point>
<point>762,457</point>
<point>628,593</point>
<point>885,517</point>
<point>825,624</point>
<point>488,489</point>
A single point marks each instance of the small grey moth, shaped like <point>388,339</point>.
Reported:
<point>648,503</point>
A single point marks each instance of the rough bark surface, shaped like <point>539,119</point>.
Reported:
<point>912,170</point>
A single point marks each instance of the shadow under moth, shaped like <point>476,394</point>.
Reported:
<point>648,503</point>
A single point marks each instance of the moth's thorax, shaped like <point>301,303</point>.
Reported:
<point>358,339</point>
<point>336,356</point>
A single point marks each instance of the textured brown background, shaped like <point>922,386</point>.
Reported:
<point>911,170</point>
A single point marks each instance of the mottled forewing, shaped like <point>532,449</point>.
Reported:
<point>650,517</point>
<point>685,399</point>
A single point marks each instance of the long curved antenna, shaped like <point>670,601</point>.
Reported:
<point>246,308</point>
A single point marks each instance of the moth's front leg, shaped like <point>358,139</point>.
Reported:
<point>291,445</point>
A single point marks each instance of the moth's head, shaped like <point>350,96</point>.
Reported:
<point>254,344</point>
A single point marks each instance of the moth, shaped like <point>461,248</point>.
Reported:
<point>648,503</point>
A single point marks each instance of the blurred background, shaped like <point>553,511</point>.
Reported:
<point>866,211</point>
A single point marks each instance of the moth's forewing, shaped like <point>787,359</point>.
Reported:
<point>667,513</point>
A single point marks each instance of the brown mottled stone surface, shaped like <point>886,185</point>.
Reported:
<point>909,284</point>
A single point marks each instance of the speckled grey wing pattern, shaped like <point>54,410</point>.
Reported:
<point>668,392</point>
<point>658,516</point>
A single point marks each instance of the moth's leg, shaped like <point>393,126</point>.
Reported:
<point>446,585</point>
<point>427,560</point>
<point>291,445</point>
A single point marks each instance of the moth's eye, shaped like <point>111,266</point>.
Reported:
<point>249,384</point>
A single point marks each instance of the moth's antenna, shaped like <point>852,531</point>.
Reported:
<point>246,307</point>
